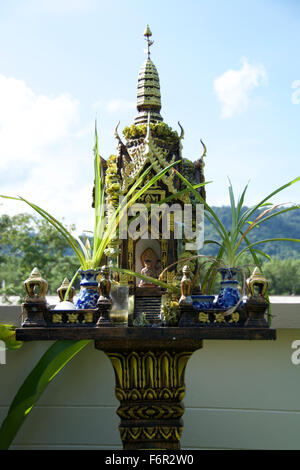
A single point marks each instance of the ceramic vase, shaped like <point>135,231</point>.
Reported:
<point>89,292</point>
<point>229,294</point>
<point>203,302</point>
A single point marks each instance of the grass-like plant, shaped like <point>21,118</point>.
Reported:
<point>234,243</point>
<point>50,364</point>
<point>89,257</point>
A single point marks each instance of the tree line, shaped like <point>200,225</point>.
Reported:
<point>27,241</point>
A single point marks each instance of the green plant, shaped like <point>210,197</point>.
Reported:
<point>89,257</point>
<point>234,243</point>
<point>159,130</point>
<point>170,310</point>
<point>54,359</point>
<point>8,336</point>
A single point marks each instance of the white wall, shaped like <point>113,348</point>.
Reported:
<point>240,395</point>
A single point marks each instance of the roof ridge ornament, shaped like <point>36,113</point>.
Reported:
<point>148,133</point>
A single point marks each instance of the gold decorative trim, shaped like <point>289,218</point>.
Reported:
<point>153,433</point>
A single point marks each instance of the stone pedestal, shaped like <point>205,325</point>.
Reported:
<point>256,308</point>
<point>33,314</point>
<point>188,315</point>
<point>104,308</point>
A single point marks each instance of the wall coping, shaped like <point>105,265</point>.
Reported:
<point>285,311</point>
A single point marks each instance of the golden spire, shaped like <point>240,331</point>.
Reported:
<point>148,88</point>
<point>147,35</point>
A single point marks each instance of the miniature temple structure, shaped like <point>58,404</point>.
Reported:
<point>149,355</point>
<point>149,141</point>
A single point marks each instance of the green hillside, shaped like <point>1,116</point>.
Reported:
<point>283,272</point>
<point>284,225</point>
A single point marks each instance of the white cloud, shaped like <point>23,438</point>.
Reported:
<point>40,157</point>
<point>233,87</point>
<point>30,122</point>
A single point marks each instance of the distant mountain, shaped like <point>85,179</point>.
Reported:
<point>285,225</point>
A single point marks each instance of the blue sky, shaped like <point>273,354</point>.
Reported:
<point>229,72</point>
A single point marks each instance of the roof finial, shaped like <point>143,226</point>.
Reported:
<point>148,89</point>
<point>147,35</point>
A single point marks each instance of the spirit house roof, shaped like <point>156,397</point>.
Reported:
<point>150,141</point>
<point>148,88</point>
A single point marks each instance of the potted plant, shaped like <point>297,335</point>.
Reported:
<point>233,244</point>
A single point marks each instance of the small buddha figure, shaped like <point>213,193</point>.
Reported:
<point>150,262</point>
<point>104,303</point>
<point>186,287</point>
<point>105,284</point>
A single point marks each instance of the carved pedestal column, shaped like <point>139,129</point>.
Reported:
<point>149,365</point>
<point>150,388</point>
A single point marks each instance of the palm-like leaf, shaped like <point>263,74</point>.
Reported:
<point>54,359</point>
<point>231,241</point>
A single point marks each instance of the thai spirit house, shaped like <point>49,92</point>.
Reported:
<point>149,363</point>
<point>155,245</point>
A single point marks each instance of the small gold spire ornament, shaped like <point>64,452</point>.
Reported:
<point>63,289</point>
<point>257,304</point>
<point>257,281</point>
<point>147,35</point>
<point>147,32</point>
<point>36,287</point>
<point>35,305</point>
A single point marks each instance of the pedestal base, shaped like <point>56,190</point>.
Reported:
<point>33,314</point>
<point>149,365</point>
<point>150,388</point>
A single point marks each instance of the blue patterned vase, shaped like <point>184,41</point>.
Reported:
<point>229,294</point>
<point>203,302</point>
<point>89,292</point>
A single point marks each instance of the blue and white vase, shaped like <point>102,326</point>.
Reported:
<point>89,292</point>
<point>229,294</point>
<point>203,302</point>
